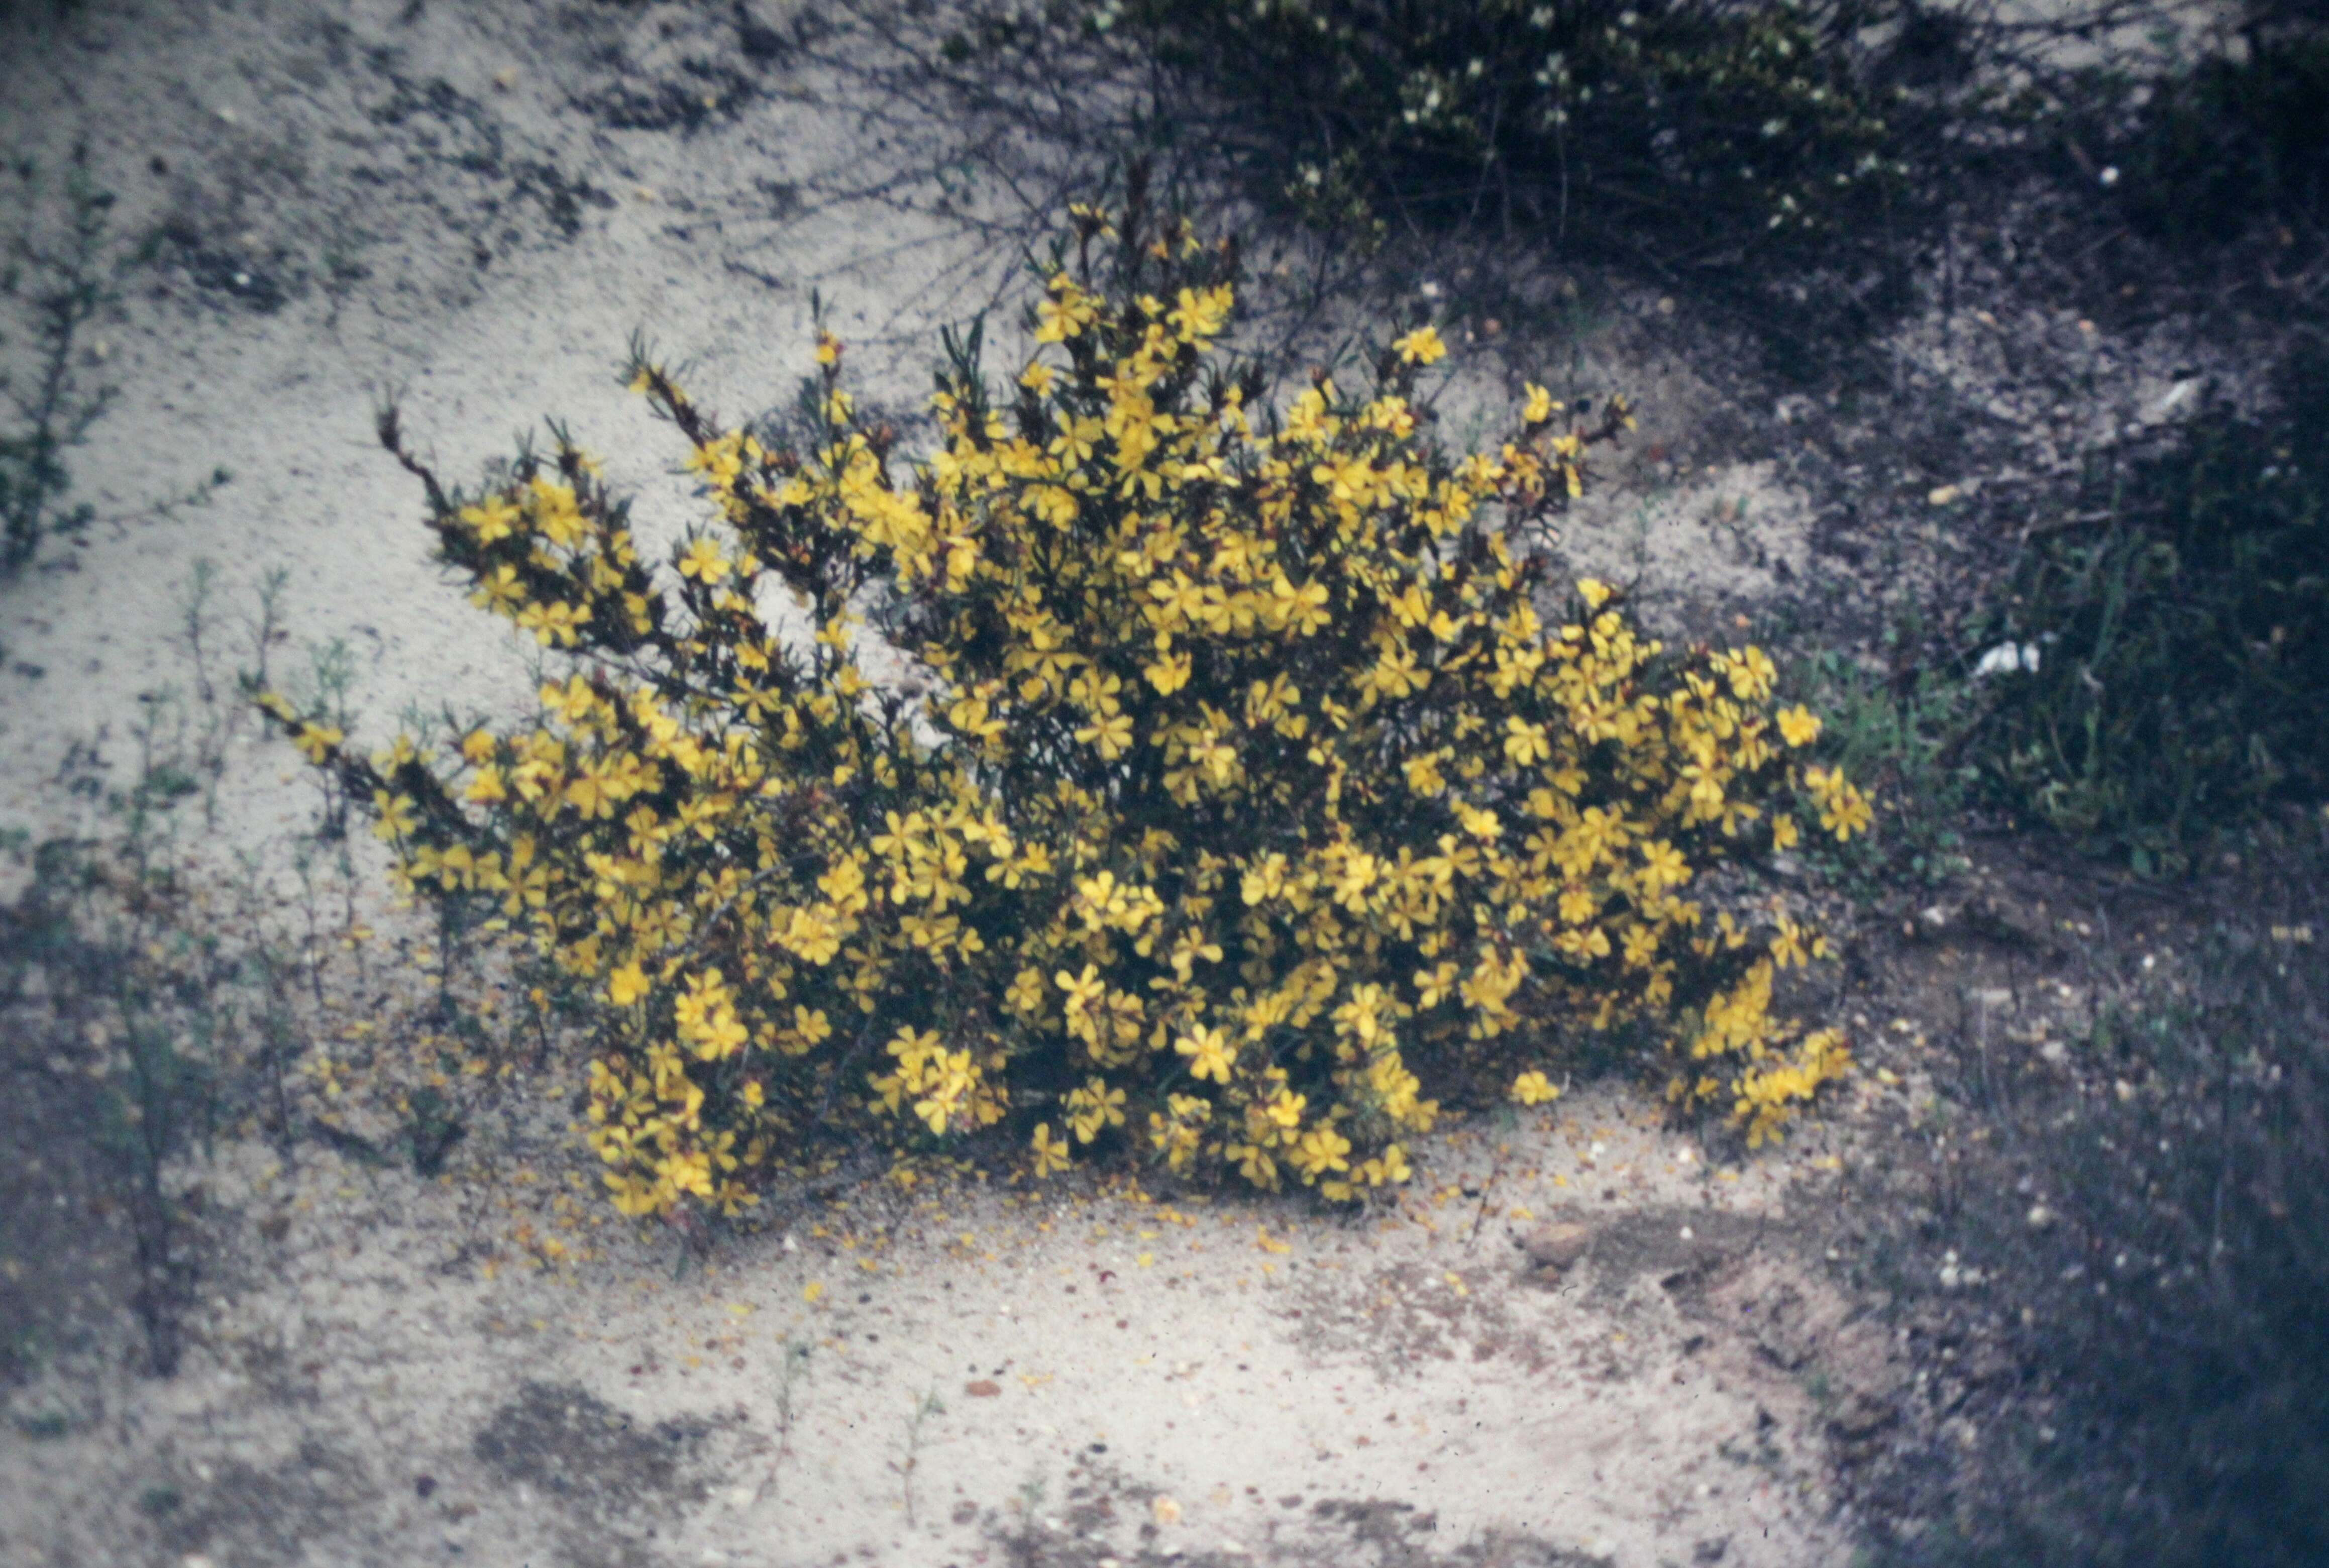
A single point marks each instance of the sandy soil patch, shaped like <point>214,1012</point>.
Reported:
<point>383,1374</point>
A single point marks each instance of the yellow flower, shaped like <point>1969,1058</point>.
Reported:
<point>1168,675</point>
<point>1421,346</point>
<point>394,814</point>
<point>1111,736</point>
<point>1847,814</point>
<point>1322,1150</point>
<point>1798,725</point>
<point>316,741</point>
<point>703,562</point>
<point>1388,1169</point>
<point>492,519</point>
<point>626,986</point>
<point>1093,1109</point>
<point>1533,1088</point>
<point>1025,996</point>
<point>1210,1053</point>
<point>1663,866</point>
<point>1083,990</point>
<point>1526,743</point>
<point>1050,1153</point>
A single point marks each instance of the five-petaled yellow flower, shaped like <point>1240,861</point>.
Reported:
<point>1421,346</point>
<point>703,562</point>
<point>1798,725</point>
<point>1210,1053</point>
<point>1533,1088</point>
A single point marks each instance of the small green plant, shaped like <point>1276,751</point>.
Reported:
<point>62,287</point>
<point>57,285</point>
<point>431,1128</point>
<point>117,976</point>
<point>925,1408</point>
<point>1902,741</point>
<point>131,1015</point>
<point>792,1374</point>
<point>149,1003</point>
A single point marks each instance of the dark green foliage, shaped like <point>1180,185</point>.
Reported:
<point>1717,143</point>
<point>110,1031</point>
<point>433,1126</point>
<point>2183,640</point>
<point>1901,739</point>
<point>2235,146</point>
<point>55,287</point>
<point>57,278</point>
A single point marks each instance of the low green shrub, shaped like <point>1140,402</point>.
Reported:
<point>55,286</point>
<point>117,1051</point>
<point>59,275</point>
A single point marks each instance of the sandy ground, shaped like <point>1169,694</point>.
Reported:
<point>975,1375</point>
<point>474,207</point>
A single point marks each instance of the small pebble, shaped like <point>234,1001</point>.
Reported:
<point>1557,1245</point>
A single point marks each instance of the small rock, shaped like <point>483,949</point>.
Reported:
<point>1558,1244</point>
<point>984,1388</point>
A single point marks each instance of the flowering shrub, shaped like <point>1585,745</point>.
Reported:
<point>1237,784</point>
